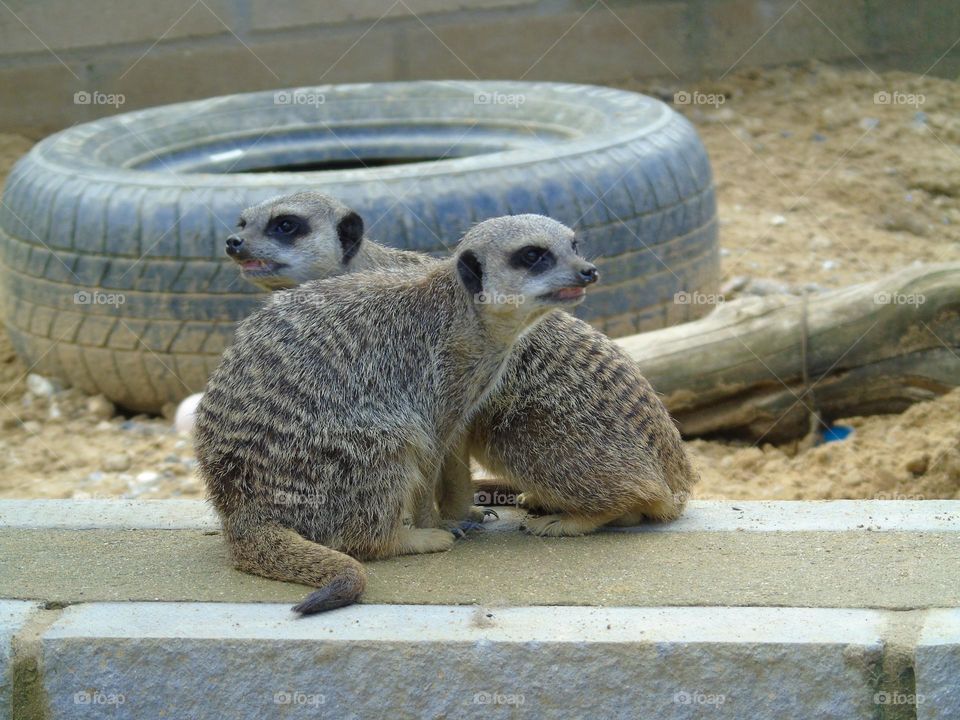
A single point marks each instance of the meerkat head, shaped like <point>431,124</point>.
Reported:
<point>523,265</point>
<point>288,240</point>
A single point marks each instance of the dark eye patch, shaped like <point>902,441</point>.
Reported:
<point>534,259</point>
<point>242,224</point>
<point>575,246</point>
<point>287,228</point>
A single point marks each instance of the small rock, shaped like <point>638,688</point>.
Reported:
<point>32,427</point>
<point>40,386</point>
<point>818,137</point>
<point>778,220</point>
<point>918,465</point>
<point>54,414</point>
<point>104,425</point>
<point>148,476</point>
<point>117,462</point>
<point>829,264</point>
<point>869,123</point>
<point>94,477</point>
<point>902,221</point>
<point>734,284</point>
<point>100,408</point>
<point>820,242</point>
<point>766,286</point>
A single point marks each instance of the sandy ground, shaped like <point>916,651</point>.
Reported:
<point>819,186</point>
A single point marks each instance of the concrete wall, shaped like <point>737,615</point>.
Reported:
<point>126,54</point>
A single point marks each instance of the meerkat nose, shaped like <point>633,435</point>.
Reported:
<point>589,275</point>
<point>234,244</point>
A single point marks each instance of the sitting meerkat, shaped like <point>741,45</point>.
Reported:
<point>573,422</point>
<point>335,405</point>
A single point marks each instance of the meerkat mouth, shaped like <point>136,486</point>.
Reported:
<point>567,294</point>
<point>259,267</point>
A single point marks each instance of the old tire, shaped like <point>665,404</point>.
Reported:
<point>112,231</point>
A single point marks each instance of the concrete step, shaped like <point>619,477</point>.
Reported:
<point>739,610</point>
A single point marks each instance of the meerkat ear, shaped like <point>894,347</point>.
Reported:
<point>350,233</point>
<point>471,273</point>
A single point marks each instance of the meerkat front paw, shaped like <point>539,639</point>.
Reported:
<point>479,514</point>
<point>412,541</point>
<point>531,502</point>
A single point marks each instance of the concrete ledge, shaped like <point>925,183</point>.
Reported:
<point>937,659</point>
<point>155,660</point>
<point>701,516</point>
<point>719,554</point>
<point>13,617</point>
<point>762,610</point>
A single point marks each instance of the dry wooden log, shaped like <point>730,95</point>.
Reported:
<point>761,368</point>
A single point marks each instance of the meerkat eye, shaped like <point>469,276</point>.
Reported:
<point>533,258</point>
<point>242,224</point>
<point>286,227</point>
<point>575,246</point>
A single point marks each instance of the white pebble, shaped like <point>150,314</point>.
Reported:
<point>829,264</point>
<point>117,462</point>
<point>186,414</point>
<point>40,386</point>
<point>778,220</point>
<point>148,476</point>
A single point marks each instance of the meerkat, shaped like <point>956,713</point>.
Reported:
<point>574,426</point>
<point>338,401</point>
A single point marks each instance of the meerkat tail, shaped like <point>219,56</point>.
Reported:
<point>279,553</point>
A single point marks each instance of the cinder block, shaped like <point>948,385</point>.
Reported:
<point>171,76</point>
<point>749,33</point>
<point>939,26</point>
<point>13,616</point>
<point>266,15</point>
<point>937,666</point>
<point>32,27</point>
<point>35,100</point>
<point>602,44</point>
<point>139,660</point>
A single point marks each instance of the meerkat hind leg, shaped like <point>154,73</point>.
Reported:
<point>653,511</point>
<point>565,524</point>
<point>414,541</point>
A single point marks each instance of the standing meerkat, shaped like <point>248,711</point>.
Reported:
<point>333,409</point>
<point>573,424</point>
